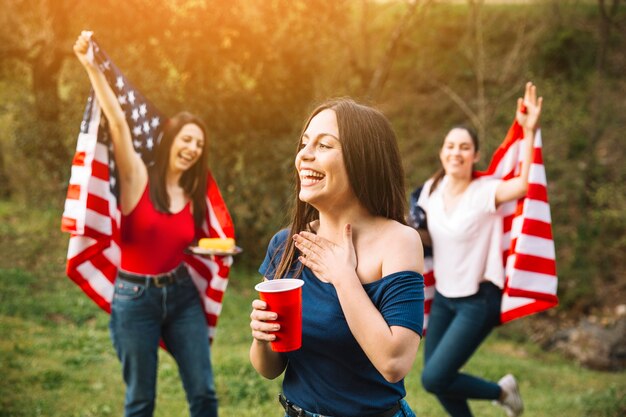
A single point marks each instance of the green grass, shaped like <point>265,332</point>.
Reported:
<point>56,358</point>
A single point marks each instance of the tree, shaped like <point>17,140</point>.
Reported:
<point>502,75</point>
<point>35,33</point>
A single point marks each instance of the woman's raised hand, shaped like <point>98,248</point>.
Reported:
<point>81,48</point>
<point>328,261</point>
<point>529,108</point>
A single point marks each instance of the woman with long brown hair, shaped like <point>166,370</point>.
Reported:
<point>362,299</point>
<point>162,210</point>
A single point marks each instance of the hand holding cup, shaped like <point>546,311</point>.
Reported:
<point>277,316</point>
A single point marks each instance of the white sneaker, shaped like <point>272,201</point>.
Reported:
<point>512,402</point>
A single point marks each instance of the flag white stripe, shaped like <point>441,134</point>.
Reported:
<point>215,224</point>
<point>506,240</point>
<point>73,209</point>
<point>113,253</point>
<point>511,303</point>
<point>536,246</point>
<point>212,306</point>
<point>78,244</point>
<point>537,174</point>
<point>98,222</point>
<point>101,153</point>
<point>99,188</point>
<point>219,283</point>
<point>85,144</point>
<point>537,210</point>
<point>533,281</point>
<point>97,281</point>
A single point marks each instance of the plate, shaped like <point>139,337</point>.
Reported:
<point>202,251</point>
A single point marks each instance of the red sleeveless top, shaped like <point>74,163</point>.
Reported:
<point>152,242</point>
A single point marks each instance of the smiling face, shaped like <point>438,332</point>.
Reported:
<point>458,153</point>
<point>320,163</point>
<point>187,147</point>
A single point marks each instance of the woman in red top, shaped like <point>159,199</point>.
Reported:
<point>155,299</point>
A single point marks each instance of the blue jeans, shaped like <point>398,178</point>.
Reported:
<point>405,411</point>
<point>456,327</point>
<point>141,315</point>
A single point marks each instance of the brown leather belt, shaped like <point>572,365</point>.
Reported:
<point>158,281</point>
<point>293,410</point>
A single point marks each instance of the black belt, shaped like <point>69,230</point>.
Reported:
<point>158,281</point>
<point>293,410</point>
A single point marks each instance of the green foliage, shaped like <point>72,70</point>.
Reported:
<point>607,403</point>
<point>568,52</point>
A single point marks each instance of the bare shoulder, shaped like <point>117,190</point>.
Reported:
<point>402,249</point>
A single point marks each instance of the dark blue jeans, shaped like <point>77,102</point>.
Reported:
<point>142,315</point>
<point>456,327</point>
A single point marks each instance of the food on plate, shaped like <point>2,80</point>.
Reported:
<point>225,244</point>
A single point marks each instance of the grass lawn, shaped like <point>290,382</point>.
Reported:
<point>56,358</point>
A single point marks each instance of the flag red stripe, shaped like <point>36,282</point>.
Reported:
<point>537,192</point>
<point>100,170</point>
<point>87,289</point>
<point>507,223</point>
<point>512,136</point>
<point>95,234</point>
<point>98,204</point>
<point>73,192</point>
<point>429,279</point>
<point>532,308</point>
<point>532,227</point>
<point>537,156</point>
<point>68,224</point>
<point>79,159</point>
<point>105,266</point>
<point>536,295</point>
<point>532,263</point>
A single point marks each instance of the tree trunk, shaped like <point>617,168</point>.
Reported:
<point>41,136</point>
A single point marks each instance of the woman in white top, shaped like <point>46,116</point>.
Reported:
<point>462,218</point>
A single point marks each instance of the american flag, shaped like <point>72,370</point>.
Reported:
<point>92,215</point>
<point>528,254</point>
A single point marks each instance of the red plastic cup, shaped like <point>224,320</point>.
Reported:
<point>284,297</point>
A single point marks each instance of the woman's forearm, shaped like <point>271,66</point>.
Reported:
<point>267,363</point>
<point>517,187</point>
<point>391,350</point>
<point>130,166</point>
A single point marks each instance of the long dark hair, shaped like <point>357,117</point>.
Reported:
<point>438,176</point>
<point>373,163</point>
<point>193,181</point>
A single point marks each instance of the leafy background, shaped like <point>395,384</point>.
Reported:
<point>253,70</point>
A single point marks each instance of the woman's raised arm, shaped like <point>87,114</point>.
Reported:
<point>133,174</point>
<point>527,115</point>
